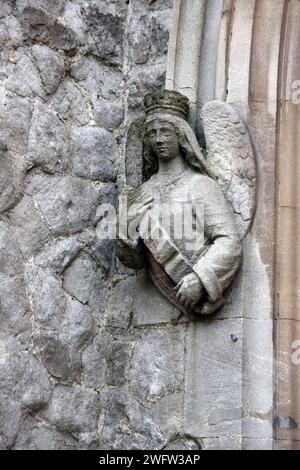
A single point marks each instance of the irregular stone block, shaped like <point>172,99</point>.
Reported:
<point>98,79</point>
<point>11,178</point>
<point>69,103</point>
<point>11,262</point>
<point>10,421</point>
<point>48,144</point>
<point>73,409</point>
<point>127,426</point>
<point>59,254</point>
<point>78,326</point>
<point>121,303</point>
<point>162,354</point>
<point>106,33</point>
<point>107,114</point>
<point>94,153</point>
<point>15,120</point>
<point>14,307</point>
<point>29,228</point>
<point>94,362</point>
<point>37,436</point>
<point>85,282</point>
<point>117,357</point>
<point>26,381</point>
<point>47,296</point>
<point>53,7</point>
<point>50,65</point>
<point>24,79</point>
<point>61,361</point>
<point>143,81</point>
<point>66,204</point>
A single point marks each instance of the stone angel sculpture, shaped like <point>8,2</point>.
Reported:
<point>186,221</point>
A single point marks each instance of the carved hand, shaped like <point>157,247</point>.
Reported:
<point>190,290</point>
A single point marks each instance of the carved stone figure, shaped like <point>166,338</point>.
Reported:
<point>212,191</point>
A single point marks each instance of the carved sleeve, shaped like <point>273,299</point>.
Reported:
<point>216,268</point>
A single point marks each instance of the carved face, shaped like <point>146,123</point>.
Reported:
<point>163,140</point>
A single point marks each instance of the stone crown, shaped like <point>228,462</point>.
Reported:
<point>169,101</point>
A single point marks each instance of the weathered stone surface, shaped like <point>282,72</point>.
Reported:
<point>148,37</point>
<point>67,64</point>
<point>98,79</point>
<point>219,393</point>
<point>121,303</point>
<point>106,33</point>
<point>26,381</point>
<point>11,178</point>
<point>30,230</point>
<point>118,357</point>
<point>50,66</point>
<point>14,308</point>
<point>134,153</point>
<point>60,360</point>
<point>59,254</point>
<point>53,7</point>
<point>47,296</point>
<point>107,114</point>
<point>183,443</point>
<point>70,104</point>
<point>94,153</point>
<point>104,253</point>
<point>24,79</point>
<point>37,436</point>
<point>145,80</point>
<point>11,262</point>
<point>146,296</point>
<point>126,425</point>
<point>94,362</point>
<point>162,354</point>
<point>84,281</point>
<point>15,120</point>
<point>66,204</point>
<point>74,409</point>
<point>48,144</point>
<point>10,421</point>
<point>78,326</point>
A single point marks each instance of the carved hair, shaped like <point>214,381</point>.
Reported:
<point>188,144</point>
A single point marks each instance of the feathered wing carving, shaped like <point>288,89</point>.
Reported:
<point>231,159</point>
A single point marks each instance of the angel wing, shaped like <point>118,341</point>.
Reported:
<point>231,158</point>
